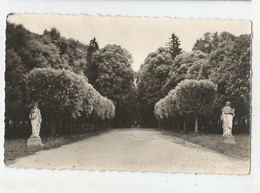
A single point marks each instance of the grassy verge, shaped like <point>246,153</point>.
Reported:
<point>240,150</point>
<point>16,148</point>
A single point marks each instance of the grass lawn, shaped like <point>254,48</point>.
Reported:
<point>240,150</point>
<point>16,148</point>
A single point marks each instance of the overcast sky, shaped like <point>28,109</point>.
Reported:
<point>139,36</point>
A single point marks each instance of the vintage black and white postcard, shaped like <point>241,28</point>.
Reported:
<point>128,93</point>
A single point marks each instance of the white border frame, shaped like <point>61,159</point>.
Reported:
<point>32,180</point>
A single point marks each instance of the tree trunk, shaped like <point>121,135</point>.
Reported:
<point>71,126</point>
<point>184,124</point>
<point>7,124</point>
<point>53,129</point>
<point>196,130</point>
<point>82,126</point>
<point>248,124</point>
<point>179,125</point>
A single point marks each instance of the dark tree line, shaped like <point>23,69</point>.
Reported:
<point>108,69</point>
<point>221,58</point>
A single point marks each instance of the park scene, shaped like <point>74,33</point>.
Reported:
<point>128,94</point>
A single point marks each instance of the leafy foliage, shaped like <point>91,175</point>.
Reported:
<point>230,68</point>
<point>115,79</point>
<point>195,97</point>
<point>92,69</point>
<point>62,93</point>
<point>212,41</point>
<point>166,108</point>
<point>58,73</point>
<point>58,92</point>
<point>190,97</point>
<point>152,76</point>
<point>174,46</point>
<point>184,67</point>
<point>25,51</point>
<point>15,109</point>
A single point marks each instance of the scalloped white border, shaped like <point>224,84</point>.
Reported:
<point>32,180</point>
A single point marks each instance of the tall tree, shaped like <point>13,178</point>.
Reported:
<point>92,69</point>
<point>230,68</point>
<point>152,76</point>
<point>92,48</point>
<point>53,33</point>
<point>181,65</point>
<point>26,50</point>
<point>212,41</point>
<point>14,91</point>
<point>174,46</point>
<point>115,77</point>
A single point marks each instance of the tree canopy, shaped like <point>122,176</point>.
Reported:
<point>152,76</point>
<point>223,59</point>
<point>190,97</point>
<point>86,81</point>
<point>62,95</point>
<point>174,46</point>
<point>115,79</point>
<point>184,67</point>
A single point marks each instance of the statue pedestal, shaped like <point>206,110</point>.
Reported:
<point>229,139</point>
<point>34,141</point>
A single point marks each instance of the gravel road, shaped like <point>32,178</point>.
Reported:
<point>135,149</point>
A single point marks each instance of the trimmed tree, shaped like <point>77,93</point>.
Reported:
<point>195,97</point>
<point>166,108</point>
<point>63,95</point>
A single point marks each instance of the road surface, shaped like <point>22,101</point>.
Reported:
<point>134,149</point>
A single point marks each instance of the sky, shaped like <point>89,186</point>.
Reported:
<point>139,35</point>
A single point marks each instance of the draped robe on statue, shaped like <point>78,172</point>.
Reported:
<point>36,120</point>
<point>227,120</point>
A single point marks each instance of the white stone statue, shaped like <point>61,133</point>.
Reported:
<point>36,120</point>
<point>227,119</point>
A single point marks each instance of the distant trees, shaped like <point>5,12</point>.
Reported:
<point>26,50</point>
<point>224,60</point>
<point>174,46</point>
<point>151,78</point>
<point>230,68</point>
<point>46,50</point>
<point>92,69</point>
<point>108,70</point>
<point>15,109</point>
<point>183,67</point>
<point>115,79</point>
<point>212,41</point>
<point>87,82</point>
